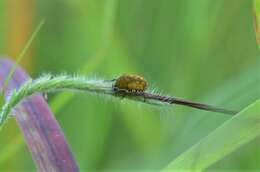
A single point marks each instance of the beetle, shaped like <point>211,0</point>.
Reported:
<point>130,83</point>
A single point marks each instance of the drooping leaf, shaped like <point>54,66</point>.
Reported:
<point>41,131</point>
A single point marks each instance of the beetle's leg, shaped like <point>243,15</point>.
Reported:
<point>143,96</point>
<point>120,92</point>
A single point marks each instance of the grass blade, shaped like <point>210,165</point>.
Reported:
<point>239,130</point>
<point>18,60</point>
<point>21,55</point>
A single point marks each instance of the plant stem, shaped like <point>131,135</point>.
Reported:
<point>50,83</point>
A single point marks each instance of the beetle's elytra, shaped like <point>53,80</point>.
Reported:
<point>131,83</point>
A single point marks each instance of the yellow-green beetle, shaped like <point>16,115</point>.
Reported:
<point>131,83</point>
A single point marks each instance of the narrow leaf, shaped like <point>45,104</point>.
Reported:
<point>239,130</point>
<point>21,55</point>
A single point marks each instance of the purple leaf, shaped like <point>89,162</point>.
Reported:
<point>44,137</point>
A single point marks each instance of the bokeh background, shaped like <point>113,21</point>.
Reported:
<point>200,50</point>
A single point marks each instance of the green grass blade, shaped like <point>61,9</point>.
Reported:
<point>24,50</point>
<point>239,130</point>
<point>18,60</point>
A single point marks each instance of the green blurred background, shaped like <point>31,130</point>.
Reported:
<point>200,50</point>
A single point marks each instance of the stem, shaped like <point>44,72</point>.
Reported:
<point>195,105</point>
<point>50,83</point>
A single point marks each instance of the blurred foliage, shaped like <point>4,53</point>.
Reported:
<point>200,50</point>
<point>241,129</point>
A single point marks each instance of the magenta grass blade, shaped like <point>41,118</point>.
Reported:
<point>44,137</point>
